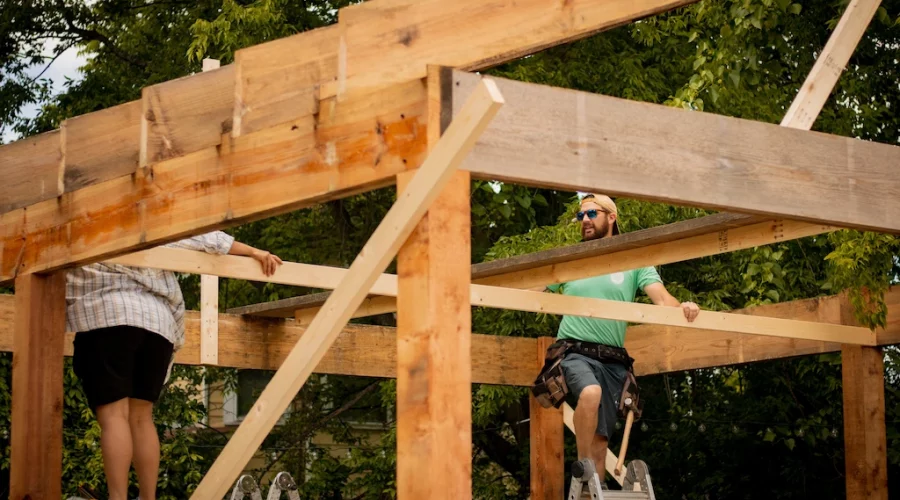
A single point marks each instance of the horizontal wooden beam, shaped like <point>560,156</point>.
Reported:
<point>356,145</point>
<point>574,140</point>
<point>374,46</point>
<point>499,297</point>
<point>701,237</point>
<point>360,350</point>
<point>371,351</point>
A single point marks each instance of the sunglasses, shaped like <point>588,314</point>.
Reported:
<point>592,213</point>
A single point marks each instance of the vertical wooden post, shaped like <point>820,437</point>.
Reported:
<point>865,441</point>
<point>434,403</point>
<point>547,450</point>
<point>37,387</point>
<point>209,319</point>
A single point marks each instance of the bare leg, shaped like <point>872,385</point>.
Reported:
<point>598,454</point>
<point>146,446</point>
<point>585,419</point>
<point>115,443</point>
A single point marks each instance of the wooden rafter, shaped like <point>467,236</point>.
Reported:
<point>579,141</point>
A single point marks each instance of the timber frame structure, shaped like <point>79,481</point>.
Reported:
<point>387,95</point>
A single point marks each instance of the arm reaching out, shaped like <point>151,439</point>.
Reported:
<point>267,260</point>
<point>661,297</point>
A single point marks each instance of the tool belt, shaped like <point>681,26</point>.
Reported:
<point>550,389</point>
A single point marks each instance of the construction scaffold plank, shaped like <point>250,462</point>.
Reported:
<point>292,273</point>
<point>381,248</point>
<point>579,141</point>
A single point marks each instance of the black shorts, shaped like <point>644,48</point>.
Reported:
<point>581,371</point>
<point>121,362</point>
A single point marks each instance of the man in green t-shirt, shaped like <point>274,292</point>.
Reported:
<point>595,386</point>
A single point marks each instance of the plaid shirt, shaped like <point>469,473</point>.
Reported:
<point>101,295</point>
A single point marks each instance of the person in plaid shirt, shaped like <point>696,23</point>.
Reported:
<point>129,322</point>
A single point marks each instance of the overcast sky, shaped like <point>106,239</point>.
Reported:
<point>65,66</point>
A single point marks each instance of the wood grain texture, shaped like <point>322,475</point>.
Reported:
<point>391,41</point>
<point>279,81</point>
<point>102,145</point>
<point>865,442</point>
<point>434,325</point>
<point>186,115</point>
<point>351,147</point>
<point>30,170</point>
<point>579,141</point>
<point>37,388</point>
<point>548,475</point>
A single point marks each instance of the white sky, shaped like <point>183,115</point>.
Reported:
<point>65,66</point>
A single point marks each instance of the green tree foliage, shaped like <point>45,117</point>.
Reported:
<point>736,432</point>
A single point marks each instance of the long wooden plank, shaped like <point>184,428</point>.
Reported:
<point>360,350</point>
<point>579,141</point>
<point>434,324</point>
<point>174,259</point>
<point>263,344</point>
<point>467,34</point>
<point>523,300</point>
<point>356,145</point>
<point>830,64</point>
<point>209,319</point>
<point>865,441</point>
<point>381,248</point>
<point>30,170</point>
<point>548,475</point>
<point>718,224</point>
<point>37,387</point>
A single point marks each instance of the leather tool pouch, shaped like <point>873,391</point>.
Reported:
<point>549,387</point>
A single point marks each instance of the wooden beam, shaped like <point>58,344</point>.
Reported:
<point>549,303</point>
<point>356,145</point>
<point>209,319</point>
<point>830,64</point>
<point>865,441</point>
<point>37,387</point>
<point>381,248</point>
<point>434,391</point>
<point>370,351</point>
<point>548,475</point>
<point>385,42</point>
<point>179,260</point>
<point>559,138</point>
<point>360,350</point>
<point>558,258</point>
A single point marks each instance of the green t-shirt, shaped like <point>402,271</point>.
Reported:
<point>615,286</point>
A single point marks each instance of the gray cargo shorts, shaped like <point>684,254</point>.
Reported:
<point>581,371</point>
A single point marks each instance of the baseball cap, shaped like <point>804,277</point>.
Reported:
<point>606,203</point>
